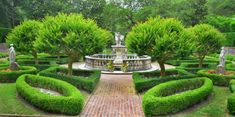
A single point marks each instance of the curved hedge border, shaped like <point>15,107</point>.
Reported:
<point>193,67</point>
<point>190,60</point>
<point>230,66</point>
<point>162,99</point>
<point>231,99</point>
<point>4,64</point>
<point>218,79</point>
<point>146,80</point>
<point>87,83</point>
<point>7,77</point>
<point>71,102</point>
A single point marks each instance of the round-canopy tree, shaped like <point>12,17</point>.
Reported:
<point>207,40</point>
<point>23,37</point>
<point>71,35</point>
<point>162,39</point>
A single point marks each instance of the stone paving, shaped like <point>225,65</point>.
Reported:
<point>114,96</point>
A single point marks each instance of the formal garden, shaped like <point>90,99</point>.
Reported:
<point>130,58</point>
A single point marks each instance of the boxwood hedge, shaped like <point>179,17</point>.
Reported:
<point>174,96</point>
<point>82,79</point>
<point>231,99</point>
<point>71,102</point>
<point>190,60</point>
<point>147,80</point>
<point>193,67</point>
<point>230,66</point>
<point>13,75</point>
<point>4,63</point>
<point>218,79</point>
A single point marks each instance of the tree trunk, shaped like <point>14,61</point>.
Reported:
<point>201,61</point>
<point>163,71</point>
<point>70,66</point>
<point>35,55</point>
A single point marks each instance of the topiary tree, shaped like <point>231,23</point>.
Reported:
<point>162,39</point>
<point>23,37</point>
<point>207,40</point>
<point>71,35</point>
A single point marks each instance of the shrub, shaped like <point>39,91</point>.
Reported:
<point>3,55</point>
<point>147,80</point>
<point>194,67</point>
<point>82,79</point>
<point>230,67</point>
<point>190,60</point>
<point>218,79</point>
<point>231,99</point>
<point>4,64</point>
<point>174,96</point>
<point>13,75</point>
<point>71,102</point>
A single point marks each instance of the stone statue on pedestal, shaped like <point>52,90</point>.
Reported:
<point>221,66</point>
<point>118,38</point>
<point>13,64</point>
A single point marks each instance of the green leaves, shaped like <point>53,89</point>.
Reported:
<point>71,34</point>
<point>24,35</point>
<point>159,38</point>
<point>207,39</point>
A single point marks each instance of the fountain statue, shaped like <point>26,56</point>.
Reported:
<point>13,64</point>
<point>221,66</point>
<point>118,38</point>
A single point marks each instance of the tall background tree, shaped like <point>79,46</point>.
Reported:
<point>73,36</point>
<point>162,39</point>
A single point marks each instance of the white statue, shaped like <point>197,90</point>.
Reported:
<point>12,54</point>
<point>118,38</point>
<point>222,57</point>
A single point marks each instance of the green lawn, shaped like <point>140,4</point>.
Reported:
<point>11,104</point>
<point>215,106</point>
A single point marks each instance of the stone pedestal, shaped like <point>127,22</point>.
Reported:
<point>14,66</point>
<point>220,69</point>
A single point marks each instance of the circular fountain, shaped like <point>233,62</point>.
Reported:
<point>119,60</point>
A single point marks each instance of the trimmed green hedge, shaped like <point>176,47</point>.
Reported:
<point>231,99</point>
<point>3,55</point>
<point>218,79</point>
<point>175,96</point>
<point>193,67</point>
<point>4,64</point>
<point>191,60</point>
<point>147,80</point>
<point>71,102</point>
<point>82,79</point>
<point>230,67</point>
<point>9,77</point>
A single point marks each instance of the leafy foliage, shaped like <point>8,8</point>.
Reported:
<point>86,80</point>
<point>13,75</point>
<point>208,40</point>
<point>71,35</point>
<point>71,102</point>
<point>162,99</point>
<point>23,36</point>
<point>162,39</point>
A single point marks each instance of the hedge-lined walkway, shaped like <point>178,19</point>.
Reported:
<point>114,97</point>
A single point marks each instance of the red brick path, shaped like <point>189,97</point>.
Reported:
<point>114,97</point>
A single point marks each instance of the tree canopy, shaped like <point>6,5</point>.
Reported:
<point>71,35</point>
<point>162,39</point>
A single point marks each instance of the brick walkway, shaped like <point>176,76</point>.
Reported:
<point>114,97</point>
